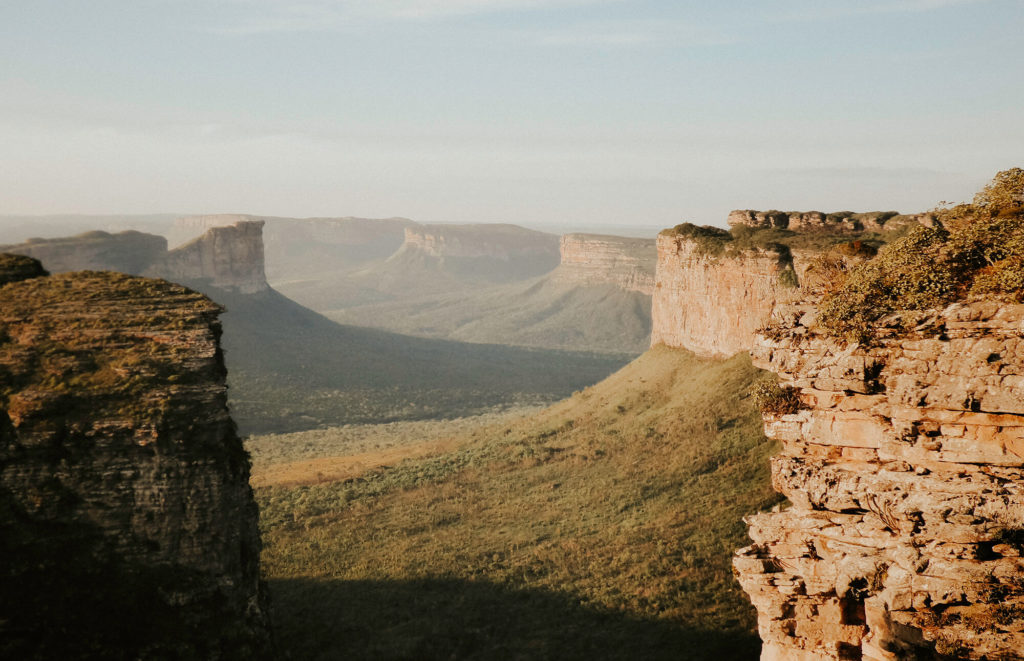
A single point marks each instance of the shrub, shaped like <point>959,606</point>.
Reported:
<point>976,250</point>
<point>774,399</point>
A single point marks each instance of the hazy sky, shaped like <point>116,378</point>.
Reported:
<point>568,111</point>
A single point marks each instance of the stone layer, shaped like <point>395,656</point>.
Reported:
<point>905,473</point>
<point>714,305</point>
<point>127,525</point>
<point>595,259</point>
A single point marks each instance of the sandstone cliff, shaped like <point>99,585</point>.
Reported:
<point>127,252</point>
<point>596,259</point>
<point>713,304</point>
<point>905,470</point>
<point>225,257</point>
<point>127,525</point>
<point>491,253</point>
<point>228,257</point>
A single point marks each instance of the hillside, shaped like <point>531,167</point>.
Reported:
<point>291,368</point>
<point>601,528</point>
<point>544,312</point>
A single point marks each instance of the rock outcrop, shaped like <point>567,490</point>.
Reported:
<point>840,221</point>
<point>225,257</point>
<point>714,304</point>
<point>905,471</point>
<point>229,257</point>
<point>493,253</point>
<point>127,525</point>
<point>127,252</point>
<point>596,259</point>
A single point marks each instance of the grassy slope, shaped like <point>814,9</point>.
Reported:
<point>602,528</point>
<point>291,368</point>
<point>542,312</point>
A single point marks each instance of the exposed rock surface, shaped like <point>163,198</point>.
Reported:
<point>905,470</point>
<point>595,259</point>
<point>494,253</point>
<point>224,257</point>
<point>127,252</point>
<point>713,305</point>
<point>841,221</point>
<point>127,526</point>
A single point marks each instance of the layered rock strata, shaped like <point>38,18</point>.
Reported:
<point>595,259</point>
<point>127,525</point>
<point>905,471</point>
<point>228,257</point>
<point>714,304</point>
<point>225,257</point>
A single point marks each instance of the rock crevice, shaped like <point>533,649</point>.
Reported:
<point>905,473</point>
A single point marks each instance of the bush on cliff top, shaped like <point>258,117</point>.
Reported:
<point>975,251</point>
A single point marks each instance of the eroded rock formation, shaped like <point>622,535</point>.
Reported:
<point>225,257</point>
<point>714,304</point>
<point>127,252</point>
<point>127,525</point>
<point>228,257</point>
<point>595,259</point>
<point>905,471</point>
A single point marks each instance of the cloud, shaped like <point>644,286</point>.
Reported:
<point>265,16</point>
<point>815,11</point>
<point>633,33</point>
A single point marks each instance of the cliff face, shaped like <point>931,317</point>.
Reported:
<point>491,253</point>
<point>228,257</point>
<point>593,259</point>
<point>905,470</point>
<point>127,252</point>
<point>713,305</point>
<point>127,525</point>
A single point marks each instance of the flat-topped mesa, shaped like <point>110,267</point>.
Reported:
<point>225,257</point>
<point>497,253</point>
<point>712,301</point>
<point>595,259</point>
<point>127,252</point>
<point>127,525</point>
<point>904,464</point>
<point>840,221</point>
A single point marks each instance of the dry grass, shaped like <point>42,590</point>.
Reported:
<point>601,528</point>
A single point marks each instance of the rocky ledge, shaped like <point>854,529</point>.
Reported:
<point>127,525</point>
<point>904,467</point>
<point>596,259</point>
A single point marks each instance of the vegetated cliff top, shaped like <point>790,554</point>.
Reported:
<point>19,267</point>
<point>715,241</point>
<point>97,339</point>
<point>974,251</point>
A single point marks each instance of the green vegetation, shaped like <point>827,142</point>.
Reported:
<point>774,399</point>
<point>290,369</point>
<point>601,528</point>
<point>975,251</point>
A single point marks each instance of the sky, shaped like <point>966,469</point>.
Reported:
<point>531,111</point>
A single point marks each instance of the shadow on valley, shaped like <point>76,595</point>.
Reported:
<point>457,619</point>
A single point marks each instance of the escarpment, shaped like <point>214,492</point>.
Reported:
<point>228,257</point>
<point>225,257</point>
<point>127,525</point>
<point>492,253</point>
<point>713,303</point>
<point>595,259</point>
<point>904,465</point>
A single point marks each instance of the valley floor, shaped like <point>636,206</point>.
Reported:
<point>599,528</point>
